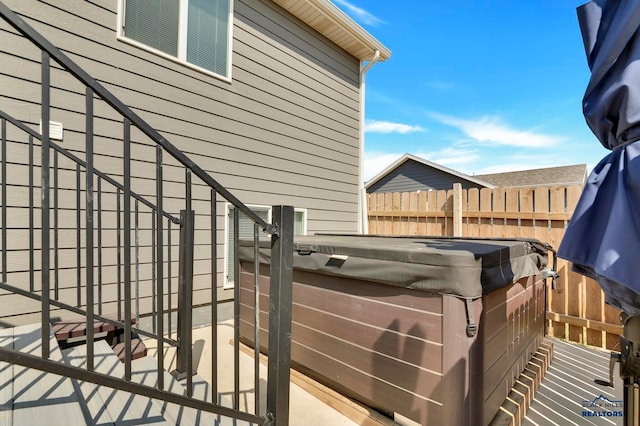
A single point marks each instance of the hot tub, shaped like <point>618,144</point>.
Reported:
<point>434,329</point>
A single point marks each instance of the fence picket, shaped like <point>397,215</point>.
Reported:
<point>485,222</point>
<point>412,228</point>
<point>511,206</point>
<point>499,204</point>
<point>388,207</point>
<point>473,230</point>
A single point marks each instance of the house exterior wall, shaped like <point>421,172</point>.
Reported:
<point>283,131</point>
<point>413,176</point>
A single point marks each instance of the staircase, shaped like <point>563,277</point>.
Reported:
<point>68,263</point>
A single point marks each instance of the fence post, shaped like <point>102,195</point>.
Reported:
<point>185,295</point>
<point>280,307</point>
<point>457,210</point>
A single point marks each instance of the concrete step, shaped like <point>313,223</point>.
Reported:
<point>39,397</point>
<point>146,372</point>
<point>110,406</point>
<point>6,380</point>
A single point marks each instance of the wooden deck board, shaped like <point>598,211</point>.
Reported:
<point>570,381</point>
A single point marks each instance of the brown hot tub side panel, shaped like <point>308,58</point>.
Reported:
<point>512,331</point>
<point>403,350</point>
<point>362,340</point>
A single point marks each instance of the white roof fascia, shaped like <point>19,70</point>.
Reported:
<point>340,23</point>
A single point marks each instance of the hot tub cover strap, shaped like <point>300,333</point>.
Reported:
<point>472,327</point>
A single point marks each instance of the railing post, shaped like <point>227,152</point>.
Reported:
<point>185,296</point>
<point>280,307</point>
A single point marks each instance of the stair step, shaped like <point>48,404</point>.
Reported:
<point>6,380</point>
<point>38,396</point>
<point>69,329</point>
<point>138,350</point>
<point>110,406</point>
<point>146,370</point>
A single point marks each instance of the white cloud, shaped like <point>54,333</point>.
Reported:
<point>360,14</point>
<point>373,126</point>
<point>455,158</point>
<point>375,162</point>
<point>491,130</point>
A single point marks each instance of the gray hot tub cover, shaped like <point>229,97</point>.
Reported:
<point>465,268</point>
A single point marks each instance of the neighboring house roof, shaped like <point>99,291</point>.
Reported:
<point>550,176</point>
<point>333,23</point>
<point>427,163</point>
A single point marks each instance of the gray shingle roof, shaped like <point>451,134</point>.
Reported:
<point>550,176</point>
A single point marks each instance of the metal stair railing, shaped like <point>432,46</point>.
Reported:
<point>116,201</point>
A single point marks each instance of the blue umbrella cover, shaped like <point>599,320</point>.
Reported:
<point>603,237</point>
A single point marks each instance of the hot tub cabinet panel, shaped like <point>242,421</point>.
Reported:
<point>404,350</point>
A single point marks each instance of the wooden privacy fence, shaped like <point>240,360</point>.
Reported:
<point>575,309</point>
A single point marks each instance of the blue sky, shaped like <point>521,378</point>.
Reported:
<point>480,86</point>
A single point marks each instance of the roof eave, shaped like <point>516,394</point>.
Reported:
<point>337,26</point>
<point>427,163</point>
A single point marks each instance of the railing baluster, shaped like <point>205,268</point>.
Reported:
<point>137,260</point>
<point>188,271</point>
<point>160,268</point>
<point>256,316</point>
<point>169,277</point>
<point>78,240</point>
<point>119,254</point>
<point>154,285</point>
<point>45,105</point>
<point>56,239</point>
<point>214,294</point>
<point>236,309</point>
<point>99,246</point>
<point>4,200</point>
<point>89,226</point>
<point>127,249</point>
<point>31,220</point>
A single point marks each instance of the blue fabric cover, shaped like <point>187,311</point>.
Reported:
<point>603,237</point>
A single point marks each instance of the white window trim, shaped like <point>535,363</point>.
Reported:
<point>230,285</point>
<point>181,45</point>
<point>225,283</point>
<point>304,219</point>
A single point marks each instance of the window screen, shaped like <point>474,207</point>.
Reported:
<point>207,35</point>
<point>245,230</point>
<point>154,23</point>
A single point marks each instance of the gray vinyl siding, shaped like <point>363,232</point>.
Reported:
<point>283,131</point>
<point>413,176</point>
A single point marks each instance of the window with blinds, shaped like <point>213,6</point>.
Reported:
<point>245,232</point>
<point>196,32</point>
